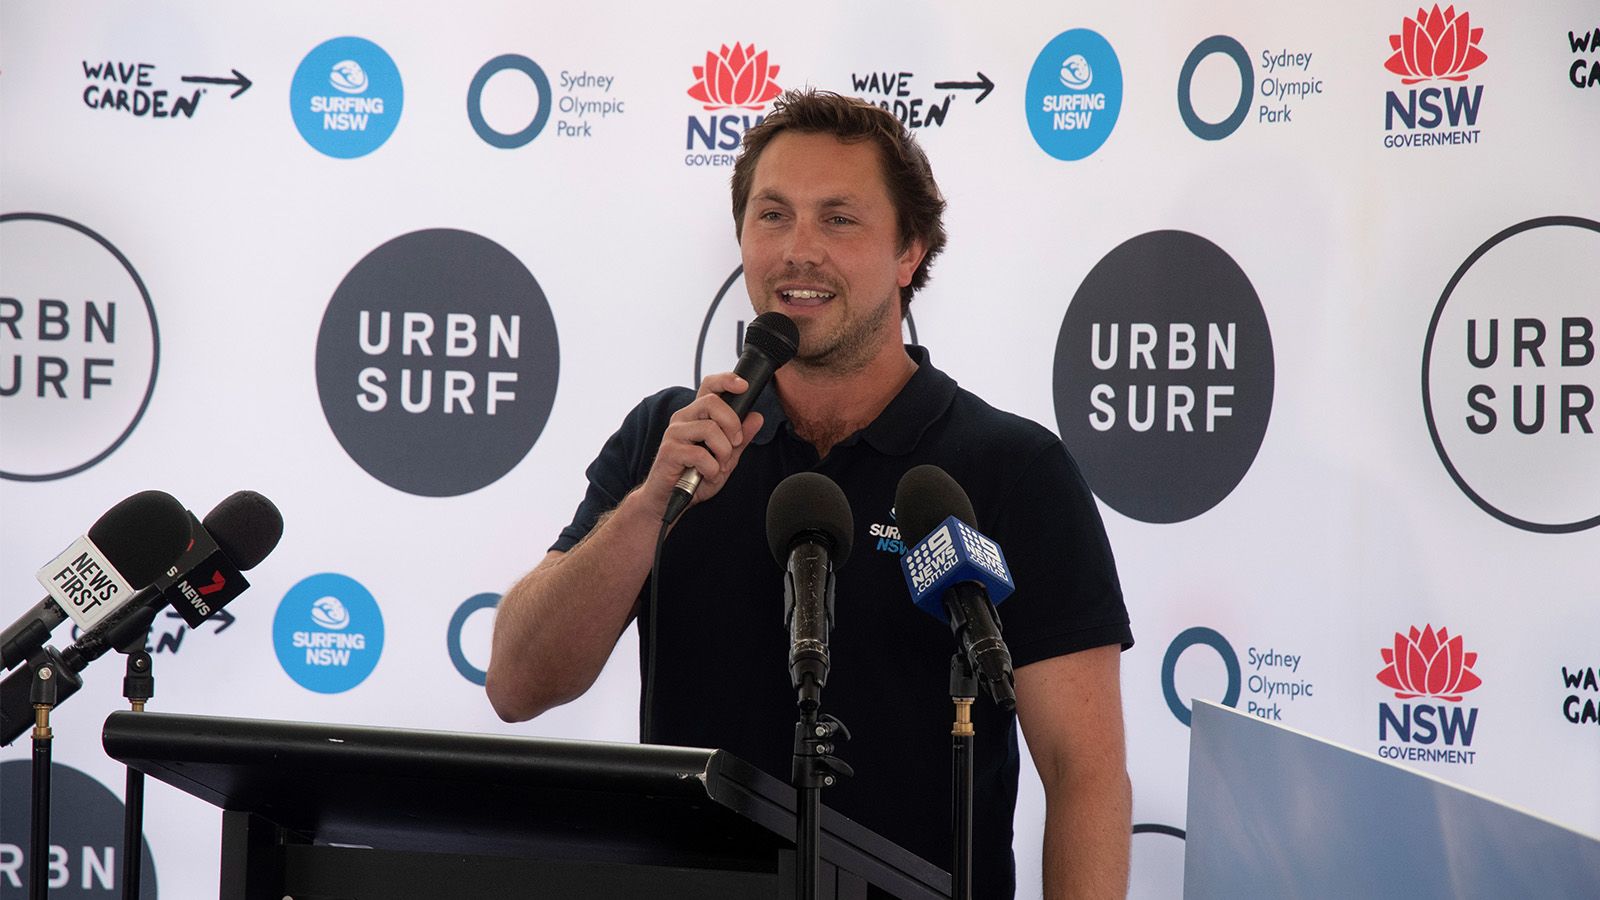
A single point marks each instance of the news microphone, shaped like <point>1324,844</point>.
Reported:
<point>956,574</point>
<point>234,537</point>
<point>769,342</point>
<point>123,552</point>
<point>809,530</point>
<point>240,532</point>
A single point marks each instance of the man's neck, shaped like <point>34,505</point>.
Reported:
<point>825,406</point>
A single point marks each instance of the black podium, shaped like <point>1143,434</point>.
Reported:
<point>354,812</point>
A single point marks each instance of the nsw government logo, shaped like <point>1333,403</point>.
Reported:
<point>437,362</point>
<point>734,85</point>
<point>346,97</point>
<point>1420,665</point>
<point>1509,376</point>
<point>1164,376</point>
<point>1439,50</point>
<point>1074,94</point>
<point>328,633</point>
<point>79,347</point>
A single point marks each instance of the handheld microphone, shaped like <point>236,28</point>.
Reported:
<point>956,574</point>
<point>809,530</point>
<point>769,342</point>
<point>123,552</point>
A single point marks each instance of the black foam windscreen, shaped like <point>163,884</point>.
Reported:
<point>809,504</point>
<point>926,496</point>
<point>142,536</point>
<point>246,526</point>
<point>776,335</point>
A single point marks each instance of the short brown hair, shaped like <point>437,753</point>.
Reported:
<point>918,205</point>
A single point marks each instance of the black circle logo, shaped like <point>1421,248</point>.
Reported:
<point>1164,376</point>
<point>437,362</point>
<point>79,348</point>
<point>85,836</point>
<point>1510,376</point>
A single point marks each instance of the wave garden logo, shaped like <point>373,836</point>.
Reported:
<point>1428,663</point>
<point>1074,94</point>
<point>328,633</point>
<point>1434,46</point>
<point>736,78</point>
<point>346,97</point>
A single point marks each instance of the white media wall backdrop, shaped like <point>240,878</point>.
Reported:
<point>1310,292</point>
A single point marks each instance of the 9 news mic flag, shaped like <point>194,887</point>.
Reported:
<point>952,553</point>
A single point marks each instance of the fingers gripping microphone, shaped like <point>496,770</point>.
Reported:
<point>769,342</point>
<point>810,530</point>
<point>956,574</point>
<point>124,551</point>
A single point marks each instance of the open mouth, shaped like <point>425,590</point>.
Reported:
<point>805,297</point>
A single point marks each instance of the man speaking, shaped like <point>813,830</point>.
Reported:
<point>838,220</point>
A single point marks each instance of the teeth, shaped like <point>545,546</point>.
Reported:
<point>807,295</point>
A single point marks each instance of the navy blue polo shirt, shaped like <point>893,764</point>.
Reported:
<point>721,675</point>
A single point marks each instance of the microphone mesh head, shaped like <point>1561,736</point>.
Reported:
<point>809,504</point>
<point>775,335</point>
<point>246,526</point>
<point>926,496</point>
<point>142,536</point>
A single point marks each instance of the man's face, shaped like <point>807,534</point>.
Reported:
<point>821,245</point>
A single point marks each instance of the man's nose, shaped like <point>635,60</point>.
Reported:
<point>806,246</point>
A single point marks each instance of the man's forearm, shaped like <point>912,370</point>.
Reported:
<point>1087,834</point>
<point>556,627</point>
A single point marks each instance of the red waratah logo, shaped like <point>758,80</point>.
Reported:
<point>1425,663</point>
<point>737,77</point>
<point>1435,45</point>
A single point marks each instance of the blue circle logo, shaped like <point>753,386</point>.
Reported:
<point>1074,94</point>
<point>1169,669</point>
<point>328,633</point>
<point>346,97</point>
<point>458,622</point>
<point>492,68</point>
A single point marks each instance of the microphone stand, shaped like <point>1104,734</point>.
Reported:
<point>963,692</point>
<point>138,685</point>
<point>814,768</point>
<point>43,696</point>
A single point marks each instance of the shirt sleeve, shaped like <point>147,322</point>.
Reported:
<point>623,462</point>
<point>1068,597</point>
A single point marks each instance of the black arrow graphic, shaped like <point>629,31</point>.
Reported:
<point>238,79</point>
<point>223,618</point>
<point>982,82</point>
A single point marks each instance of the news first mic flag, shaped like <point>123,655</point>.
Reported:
<point>84,583</point>
<point>203,580</point>
<point>950,554</point>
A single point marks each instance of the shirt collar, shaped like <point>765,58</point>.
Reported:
<point>901,424</point>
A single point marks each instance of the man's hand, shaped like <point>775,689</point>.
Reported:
<point>705,435</point>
